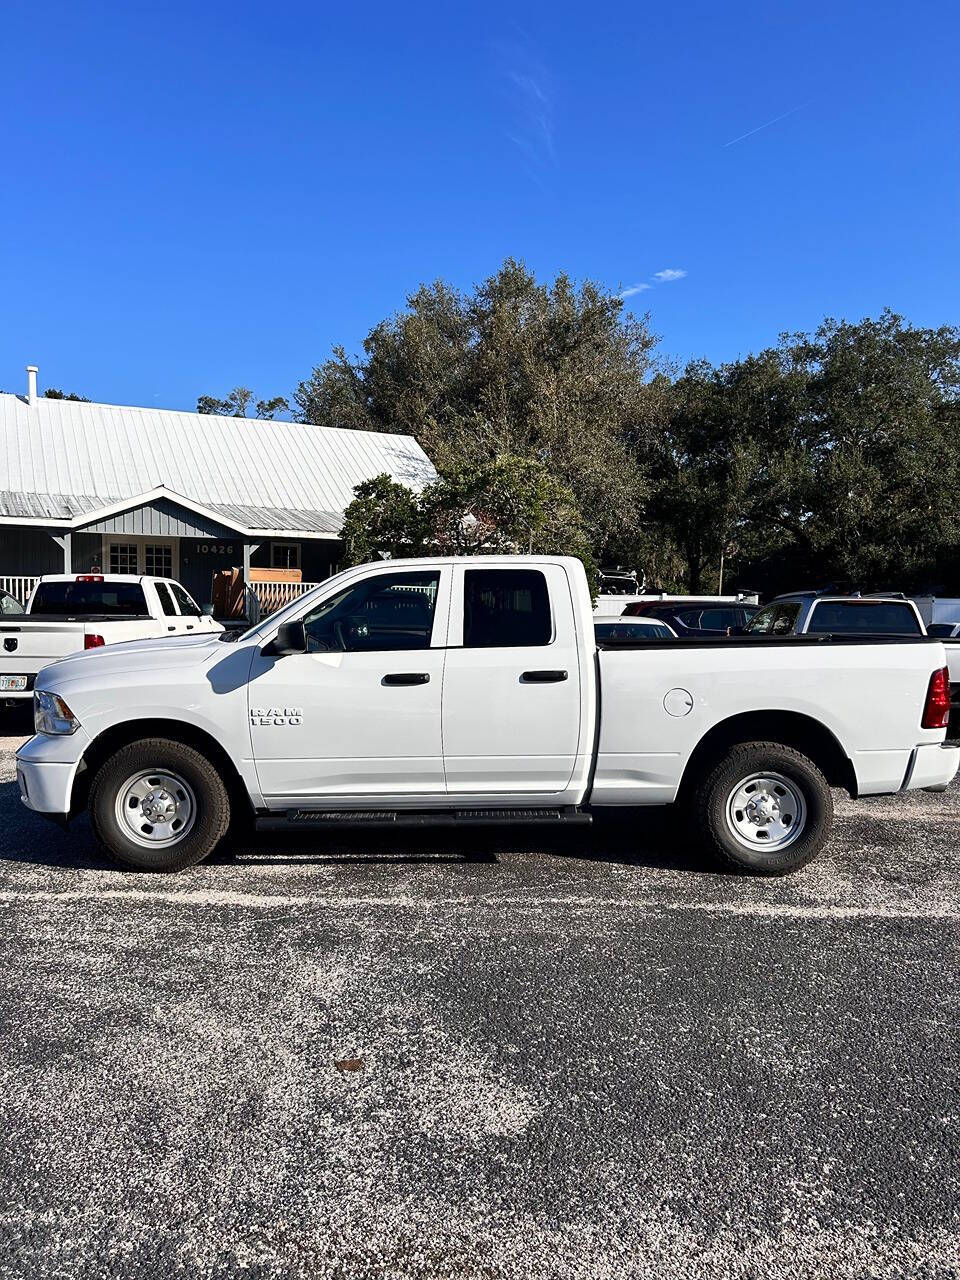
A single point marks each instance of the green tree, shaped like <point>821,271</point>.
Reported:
<point>54,393</point>
<point>824,459</point>
<point>238,401</point>
<point>552,373</point>
<point>509,505</point>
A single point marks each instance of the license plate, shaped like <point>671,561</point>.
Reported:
<point>12,684</point>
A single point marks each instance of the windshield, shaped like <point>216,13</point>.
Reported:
<point>81,599</point>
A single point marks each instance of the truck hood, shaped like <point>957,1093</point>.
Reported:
<point>160,653</point>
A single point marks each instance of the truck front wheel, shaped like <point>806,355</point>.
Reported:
<point>765,808</point>
<point>159,805</point>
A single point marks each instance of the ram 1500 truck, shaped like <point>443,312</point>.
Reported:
<point>69,612</point>
<point>473,690</point>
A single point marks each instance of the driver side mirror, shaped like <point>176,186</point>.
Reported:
<point>290,638</point>
<point>207,610</point>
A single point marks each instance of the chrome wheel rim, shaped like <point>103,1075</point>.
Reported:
<point>766,811</point>
<point>156,808</point>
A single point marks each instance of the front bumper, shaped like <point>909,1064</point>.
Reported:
<point>46,768</point>
<point>933,765</point>
<point>46,788</point>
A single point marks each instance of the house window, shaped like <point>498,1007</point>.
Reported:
<point>158,559</point>
<point>285,555</point>
<point>123,557</point>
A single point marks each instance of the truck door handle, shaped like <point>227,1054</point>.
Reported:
<point>542,677</point>
<point>406,677</point>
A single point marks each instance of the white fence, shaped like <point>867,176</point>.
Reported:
<point>274,595</point>
<point>18,586</point>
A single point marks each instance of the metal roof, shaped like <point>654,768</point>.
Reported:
<point>60,459</point>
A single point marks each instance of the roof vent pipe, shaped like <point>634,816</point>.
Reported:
<point>32,384</point>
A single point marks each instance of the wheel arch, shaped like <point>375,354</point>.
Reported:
<point>790,729</point>
<point>121,735</point>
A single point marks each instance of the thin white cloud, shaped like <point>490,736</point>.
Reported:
<point>670,273</point>
<point>775,120</point>
<point>526,84</point>
<point>634,288</point>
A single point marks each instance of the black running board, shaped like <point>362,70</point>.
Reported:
<point>370,818</point>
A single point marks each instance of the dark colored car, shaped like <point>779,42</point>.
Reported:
<point>693,617</point>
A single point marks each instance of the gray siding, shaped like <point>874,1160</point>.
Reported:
<point>162,518</point>
<point>87,552</point>
<point>28,552</point>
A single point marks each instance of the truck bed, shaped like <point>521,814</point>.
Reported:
<point>660,698</point>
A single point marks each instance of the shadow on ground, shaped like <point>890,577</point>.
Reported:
<point>654,838</point>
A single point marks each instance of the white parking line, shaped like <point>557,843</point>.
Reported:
<point>226,898</point>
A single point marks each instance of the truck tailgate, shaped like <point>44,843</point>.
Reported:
<point>27,645</point>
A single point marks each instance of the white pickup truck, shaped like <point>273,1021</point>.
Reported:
<point>473,690</point>
<point>69,612</point>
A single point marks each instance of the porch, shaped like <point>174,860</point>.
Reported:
<point>165,535</point>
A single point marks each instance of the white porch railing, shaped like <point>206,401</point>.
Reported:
<point>274,595</point>
<point>20,587</point>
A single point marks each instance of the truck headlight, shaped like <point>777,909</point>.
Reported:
<point>51,714</point>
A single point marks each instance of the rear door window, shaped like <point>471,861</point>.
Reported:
<point>505,609</point>
<point>885,618</point>
<point>719,619</point>
<point>166,600</point>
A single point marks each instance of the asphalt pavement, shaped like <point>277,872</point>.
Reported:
<point>482,1055</point>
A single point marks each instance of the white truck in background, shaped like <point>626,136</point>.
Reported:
<point>71,612</point>
<point>473,690</point>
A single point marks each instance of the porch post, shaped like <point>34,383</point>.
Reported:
<point>251,602</point>
<point>63,541</point>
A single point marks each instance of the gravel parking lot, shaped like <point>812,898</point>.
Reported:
<point>443,1056</point>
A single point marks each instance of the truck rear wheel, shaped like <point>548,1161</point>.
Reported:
<point>159,805</point>
<point>765,808</point>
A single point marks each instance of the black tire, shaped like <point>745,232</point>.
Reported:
<point>210,805</point>
<point>713,807</point>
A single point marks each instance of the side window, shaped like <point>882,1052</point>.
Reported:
<point>718,619</point>
<point>774,620</point>
<point>505,609</point>
<point>785,619</point>
<point>386,612</point>
<point>185,602</point>
<point>166,599</point>
<point>689,618</point>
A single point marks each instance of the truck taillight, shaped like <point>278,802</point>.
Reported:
<point>89,577</point>
<point>92,642</point>
<point>936,711</point>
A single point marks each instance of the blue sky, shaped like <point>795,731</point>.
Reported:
<point>205,194</point>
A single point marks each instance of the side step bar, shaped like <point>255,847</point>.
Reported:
<point>371,818</point>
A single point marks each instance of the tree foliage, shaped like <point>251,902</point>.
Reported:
<point>830,457</point>
<point>826,459</point>
<point>54,393</point>
<point>238,401</point>
<point>507,506</point>
<point>554,374</point>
